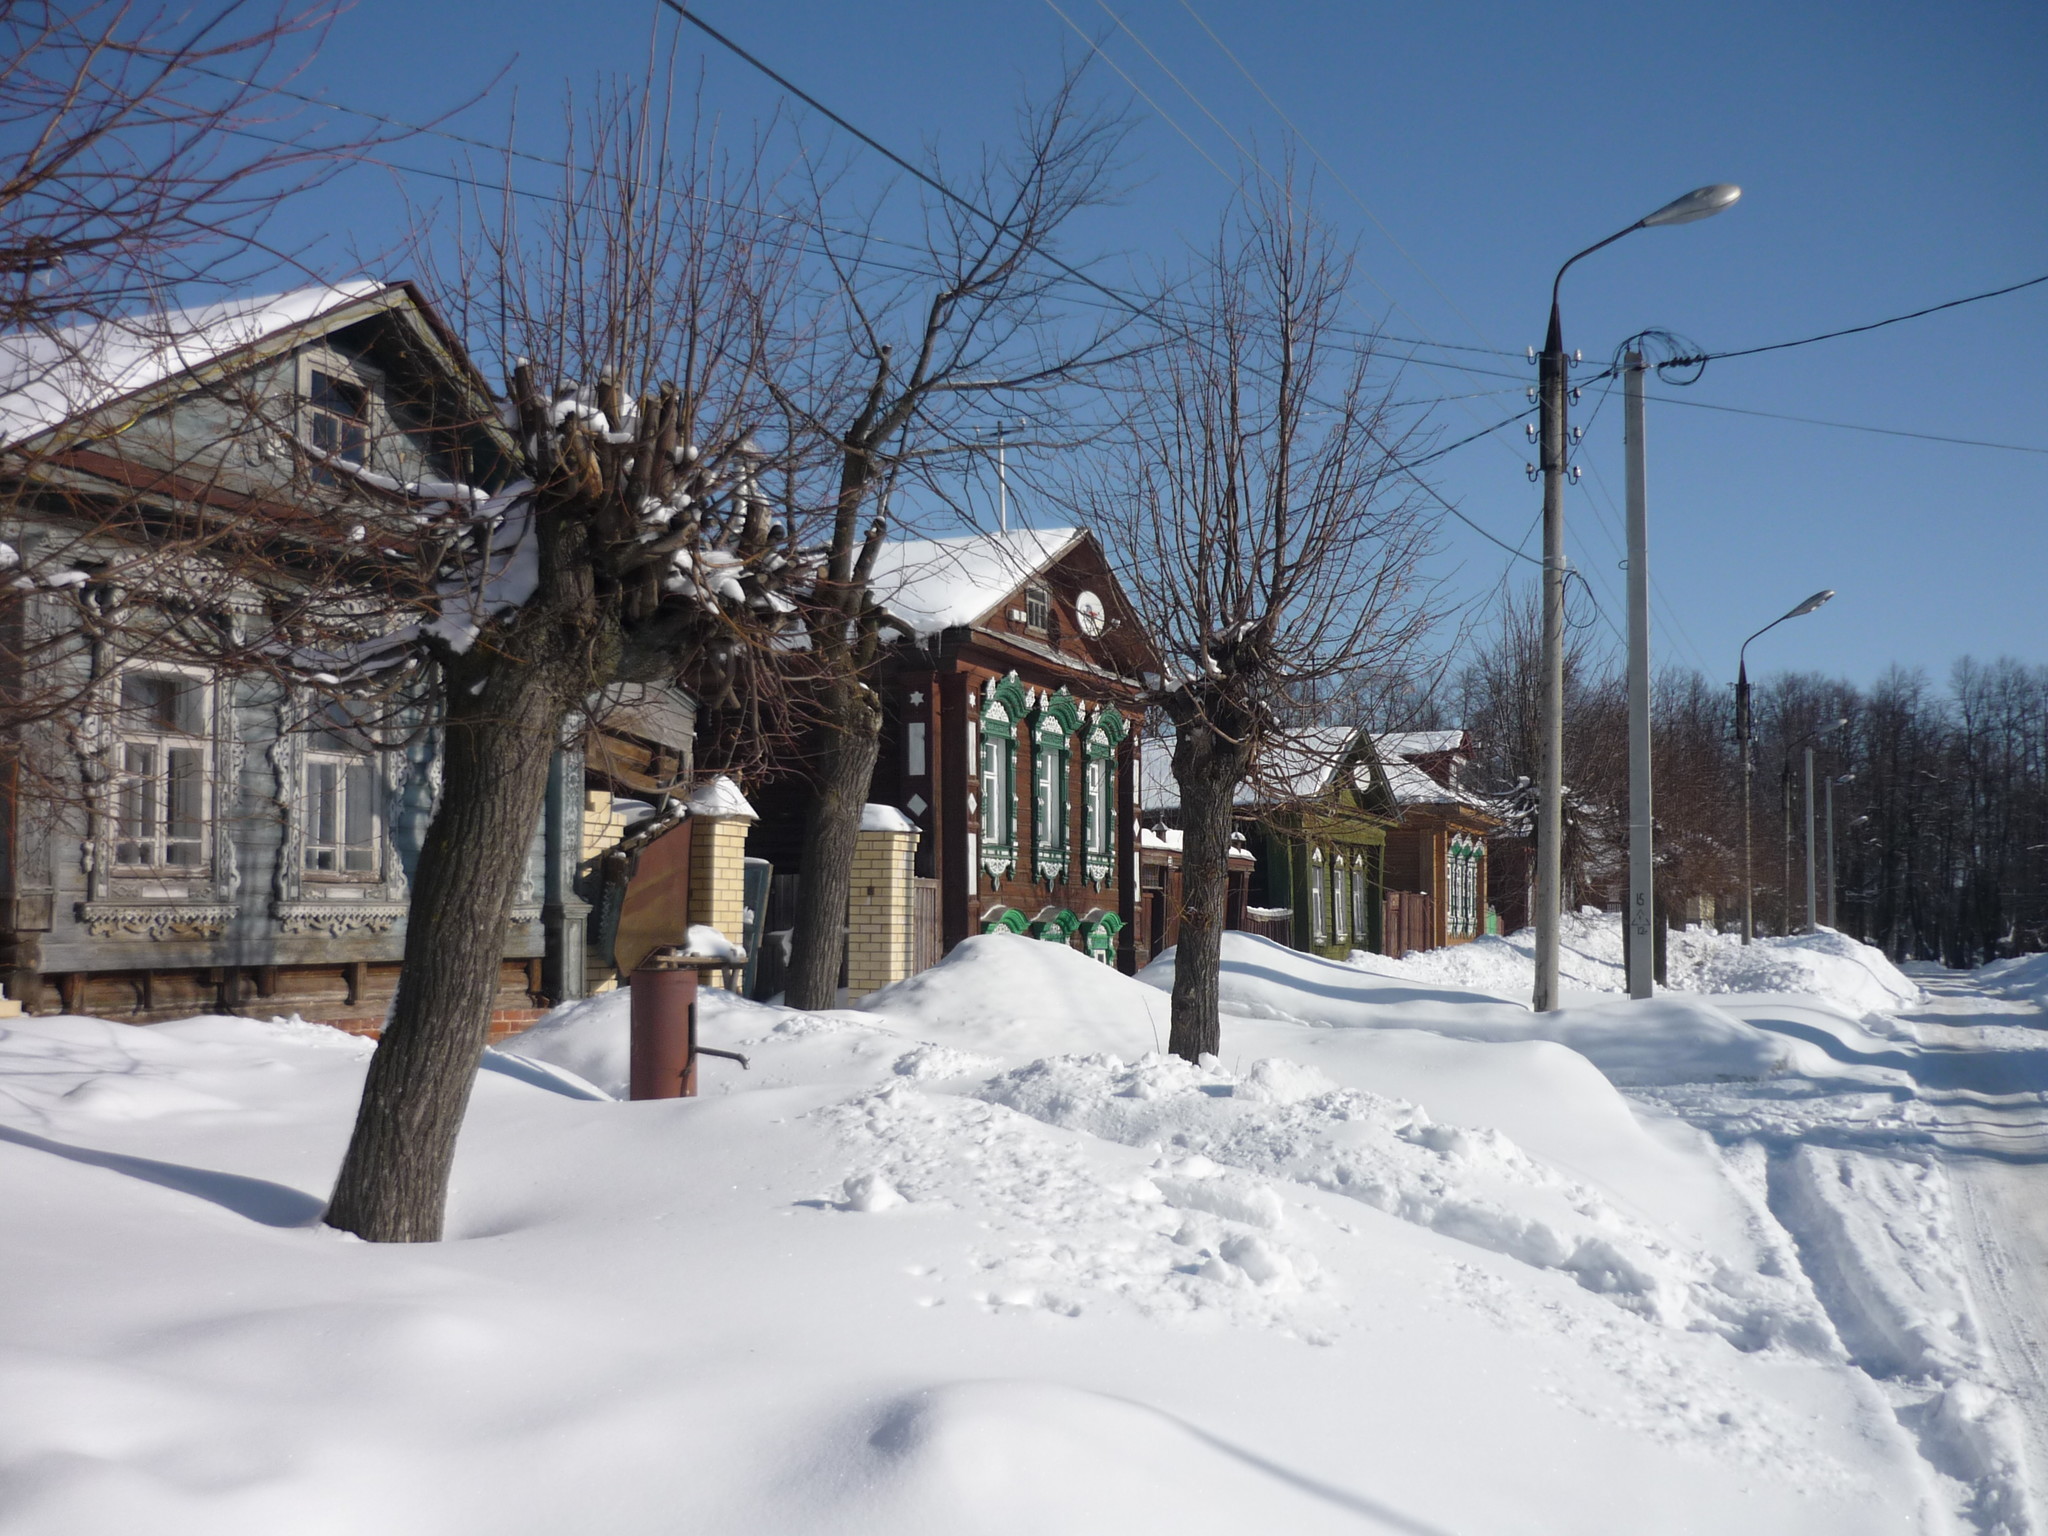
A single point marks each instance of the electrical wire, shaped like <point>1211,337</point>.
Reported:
<point>1703,358</point>
<point>1849,426</point>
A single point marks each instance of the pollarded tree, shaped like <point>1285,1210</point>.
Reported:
<point>1254,498</point>
<point>639,543</point>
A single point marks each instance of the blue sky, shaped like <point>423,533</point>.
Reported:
<point>1891,156</point>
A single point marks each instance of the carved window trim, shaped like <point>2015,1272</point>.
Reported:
<point>310,902</point>
<point>120,900</point>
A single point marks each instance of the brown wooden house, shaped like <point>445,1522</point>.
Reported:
<point>1010,691</point>
<point>1436,860</point>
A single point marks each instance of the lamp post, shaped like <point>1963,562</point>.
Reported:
<point>1833,780</point>
<point>1552,389</point>
<point>1745,737</point>
<point>1812,864</point>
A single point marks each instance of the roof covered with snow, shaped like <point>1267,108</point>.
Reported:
<point>934,584</point>
<point>1413,785</point>
<point>47,378</point>
<point>1298,766</point>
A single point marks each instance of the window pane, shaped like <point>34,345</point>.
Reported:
<point>187,792</point>
<point>135,815</point>
<point>323,812</point>
<point>359,818</point>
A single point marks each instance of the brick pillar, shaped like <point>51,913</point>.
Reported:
<point>880,915</point>
<point>719,816</point>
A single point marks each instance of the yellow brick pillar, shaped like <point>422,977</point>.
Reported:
<point>880,912</point>
<point>719,818</point>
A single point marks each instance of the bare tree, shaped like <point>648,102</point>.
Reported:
<point>1255,501</point>
<point>897,372</point>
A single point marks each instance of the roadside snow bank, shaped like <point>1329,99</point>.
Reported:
<point>1828,965</point>
<point>1223,1138</point>
<point>1668,1039</point>
<point>1020,997</point>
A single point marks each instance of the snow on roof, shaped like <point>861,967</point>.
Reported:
<point>47,378</point>
<point>1411,784</point>
<point>1298,766</point>
<point>1392,744</point>
<point>934,584</point>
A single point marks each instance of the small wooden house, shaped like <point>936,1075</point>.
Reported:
<point>1436,867</point>
<point>189,840</point>
<point>1313,827</point>
<point>1009,692</point>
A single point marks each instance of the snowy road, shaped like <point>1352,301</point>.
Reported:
<point>1993,1129</point>
<point>1908,1160</point>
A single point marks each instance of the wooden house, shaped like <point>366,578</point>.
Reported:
<point>1009,689</point>
<point>1313,829</point>
<point>1436,870</point>
<point>185,840</point>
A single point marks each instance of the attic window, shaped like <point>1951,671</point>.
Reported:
<point>337,417</point>
<point>1037,606</point>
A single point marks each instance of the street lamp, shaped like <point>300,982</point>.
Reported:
<point>1552,390</point>
<point>1745,736</point>
<point>1833,780</point>
<point>1807,741</point>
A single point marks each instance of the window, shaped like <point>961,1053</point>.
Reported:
<point>998,763</point>
<point>1340,900</point>
<point>341,838</point>
<point>161,772</point>
<point>1037,606</point>
<point>1100,797</point>
<point>1361,909</point>
<point>1317,926</point>
<point>1098,793</point>
<point>1052,795</point>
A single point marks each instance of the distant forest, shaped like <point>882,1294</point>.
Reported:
<point>1941,835</point>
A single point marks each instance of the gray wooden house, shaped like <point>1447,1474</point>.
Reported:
<point>177,839</point>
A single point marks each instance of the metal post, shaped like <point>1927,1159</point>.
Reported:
<point>1785,887</point>
<point>1002,483</point>
<point>1742,737</point>
<point>1812,868</point>
<point>1831,851</point>
<point>1642,949</point>
<point>1550,789</point>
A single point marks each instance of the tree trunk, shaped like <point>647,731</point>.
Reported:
<point>845,772</point>
<point>1209,769</point>
<point>393,1186</point>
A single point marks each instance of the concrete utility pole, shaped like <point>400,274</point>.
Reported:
<point>1552,391</point>
<point>1812,869</point>
<point>1745,735</point>
<point>1847,778</point>
<point>1642,896</point>
<point>1550,780</point>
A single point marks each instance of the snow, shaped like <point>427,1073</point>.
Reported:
<point>701,941</point>
<point>720,797</point>
<point>1854,977</point>
<point>48,378</point>
<point>884,818</point>
<point>933,584</point>
<point>976,1257</point>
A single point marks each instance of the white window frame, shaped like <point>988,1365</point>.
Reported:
<point>998,788</point>
<point>357,856</point>
<point>141,808</point>
<point>1318,928</point>
<point>374,421</point>
<point>1340,900</point>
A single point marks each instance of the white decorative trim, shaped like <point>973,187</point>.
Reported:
<point>154,920</point>
<point>335,919</point>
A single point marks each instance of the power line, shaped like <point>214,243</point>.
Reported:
<point>1850,426</point>
<point>1857,330</point>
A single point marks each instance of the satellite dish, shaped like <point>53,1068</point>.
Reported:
<point>1090,615</point>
